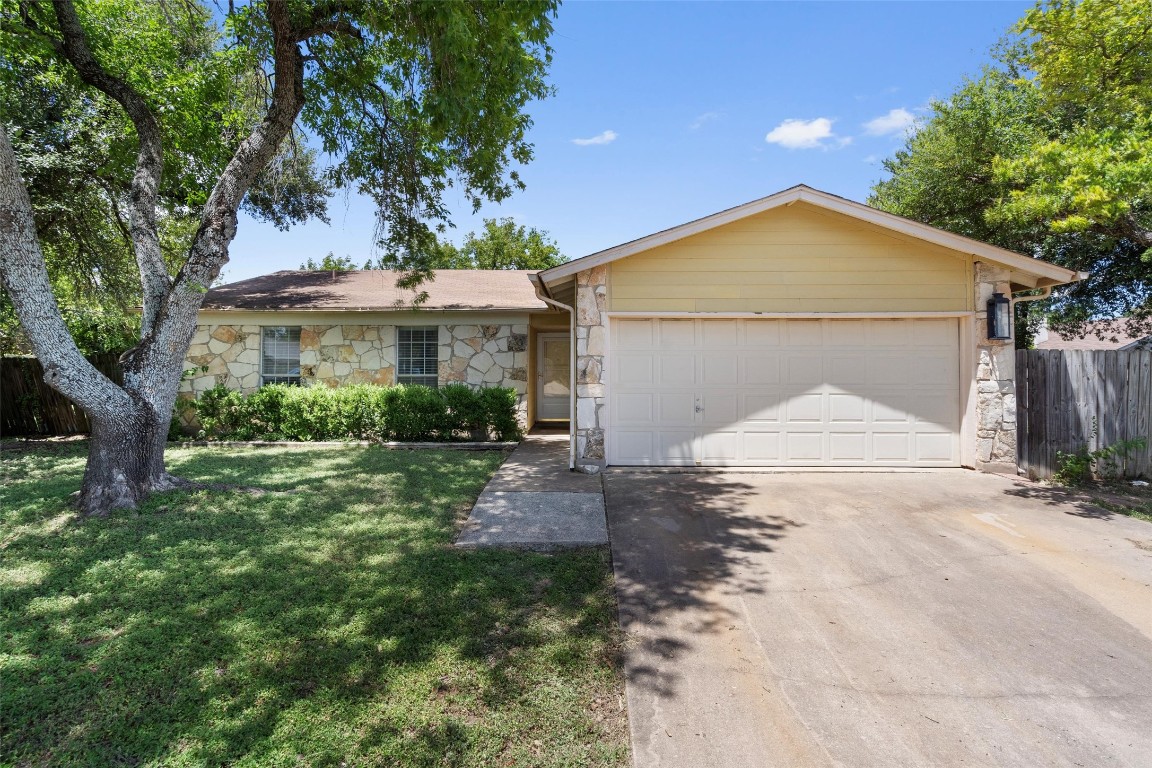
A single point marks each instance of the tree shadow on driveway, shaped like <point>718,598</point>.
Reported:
<point>681,543</point>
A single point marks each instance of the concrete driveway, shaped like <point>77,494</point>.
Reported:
<point>879,619</point>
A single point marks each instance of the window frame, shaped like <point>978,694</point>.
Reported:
<point>424,378</point>
<point>287,377</point>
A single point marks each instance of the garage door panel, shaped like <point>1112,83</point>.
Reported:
<point>759,368</point>
<point>676,446</point>
<point>676,409</point>
<point>718,334</point>
<point>676,335</point>
<point>847,447</point>
<point>633,370</point>
<point>935,369</point>
<point>721,409</point>
<point>934,447</point>
<point>761,407</point>
<point>761,447</point>
<point>805,370</point>
<point>843,369</point>
<point>719,368</point>
<point>633,335</point>
<point>934,333</point>
<point>889,370</point>
<point>804,447</point>
<point>807,408</point>
<point>893,446</point>
<point>890,413</point>
<point>762,334</point>
<point>927,409</point>
<point>720,447</point>
<point>785,392</point>
<point>676,369</point>
<point>847,408</point>
<point>889,333</point>
<point>634,447</point>
<point>803,333</point>
<point>637,408</point>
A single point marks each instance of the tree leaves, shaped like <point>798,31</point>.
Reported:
<point>1050,153</point>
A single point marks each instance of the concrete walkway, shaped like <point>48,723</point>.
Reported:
<point>534,502</point>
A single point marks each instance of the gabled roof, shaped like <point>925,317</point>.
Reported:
<point>375,290</point>
<point>1047,274</point>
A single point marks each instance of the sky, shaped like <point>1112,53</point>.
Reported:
<point>668,111</point>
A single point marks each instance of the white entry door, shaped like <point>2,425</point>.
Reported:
<point>553,376</point>
<point>820,392</point>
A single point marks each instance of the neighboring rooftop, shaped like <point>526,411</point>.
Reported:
<point>375,289</point>
<point>1098,336</point>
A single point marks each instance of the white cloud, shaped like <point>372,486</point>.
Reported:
<point>898,120</point>
<point>607,137</point>
<point>805,134</point>
<point>704,119</point>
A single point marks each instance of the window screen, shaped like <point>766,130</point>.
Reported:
<point>280,355</point>
<point>416,355</point>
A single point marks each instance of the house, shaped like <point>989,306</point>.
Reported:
<point>801,329</point>
<point>1098,336</point>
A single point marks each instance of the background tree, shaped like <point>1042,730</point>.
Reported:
<point>333,263</point>
<point>502,245</point>
<point>409,98</point>
<point>1050,153</point>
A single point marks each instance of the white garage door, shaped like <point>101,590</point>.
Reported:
<point>784,392</point>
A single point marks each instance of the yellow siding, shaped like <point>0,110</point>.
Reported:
<point>794,259</point>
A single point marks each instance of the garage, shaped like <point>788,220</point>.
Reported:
<point>797,330</point>
<point>785,392</point>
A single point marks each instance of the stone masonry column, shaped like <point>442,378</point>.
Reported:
<point>995,380</point>
<point>591,340</point>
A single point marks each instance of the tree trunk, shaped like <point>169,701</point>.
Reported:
<point>125,460</point>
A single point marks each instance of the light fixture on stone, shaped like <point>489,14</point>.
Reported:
<point>999,317</point>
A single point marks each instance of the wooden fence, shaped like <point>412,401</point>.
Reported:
<point>1068,400</point>
<point>28,406</point>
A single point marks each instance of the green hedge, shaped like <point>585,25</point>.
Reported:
<point>358,412</point>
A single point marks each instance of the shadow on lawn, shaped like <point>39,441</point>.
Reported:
<point>335,622</point>
<point>1086,501</point>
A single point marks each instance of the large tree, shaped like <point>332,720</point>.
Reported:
<point>407,97</point>
<point>1049,152</point>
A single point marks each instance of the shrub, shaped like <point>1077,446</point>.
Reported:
<point>358,412</point>
<point>1104,463</point>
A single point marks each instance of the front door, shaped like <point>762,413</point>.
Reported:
<point>553,377</point>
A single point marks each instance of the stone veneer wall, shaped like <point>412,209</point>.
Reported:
<point>479,355</point>
<point>591,402</point>
<point>995,380</point>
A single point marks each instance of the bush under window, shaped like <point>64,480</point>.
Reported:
<point>358,412</point>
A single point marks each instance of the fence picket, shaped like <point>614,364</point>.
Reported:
<point>28,406</point>
<point>1063,391</point>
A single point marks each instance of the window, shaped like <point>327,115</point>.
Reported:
<point>416,355</point>
<point>280,355</point>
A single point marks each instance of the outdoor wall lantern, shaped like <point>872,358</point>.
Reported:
<point>999,317</point>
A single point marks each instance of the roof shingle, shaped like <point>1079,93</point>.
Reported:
<point>467,289</point>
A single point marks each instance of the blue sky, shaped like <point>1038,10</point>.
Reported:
<point>668,111</point>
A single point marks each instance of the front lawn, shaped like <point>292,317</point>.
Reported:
<point>328,621</point>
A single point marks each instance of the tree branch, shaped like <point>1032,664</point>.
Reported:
<point>25,277</point>
<point>209,249</point>
<point>149,160</point>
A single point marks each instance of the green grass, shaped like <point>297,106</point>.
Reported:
<point>1122,499</point>
<point>329,622</point>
